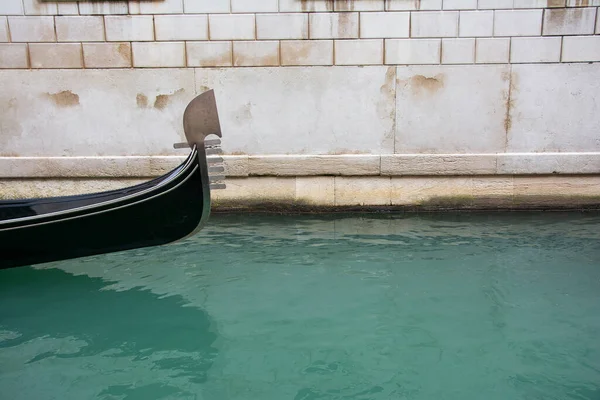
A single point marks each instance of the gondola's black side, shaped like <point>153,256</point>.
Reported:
<point>161,211</point>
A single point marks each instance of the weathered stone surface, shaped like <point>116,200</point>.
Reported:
<point>553,191</point>
<point>419,190</point>
<point>438,164</point>
<point>318,191</point>
<point>552,108</point>
<point>236,165</point>
<point>93,112</point>
<point>451,109</point>
<point>549,163</point>
<point>304,110</point>
<point>297,165</point>
<point>36,188</point>
<point>351,191</point>
<point>247,191</point>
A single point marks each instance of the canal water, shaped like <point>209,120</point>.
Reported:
<point>453,306</point>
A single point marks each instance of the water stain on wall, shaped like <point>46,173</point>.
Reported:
<point>310,5</point>
<point>512,79</point>
<point>142,100</point>
<point>578,3</point>
<point>125,51</point>
<point>65,98</point>
<point>386,106</point>
<point>162,100</point>
<point>10,127</point>
<point>421,84</point>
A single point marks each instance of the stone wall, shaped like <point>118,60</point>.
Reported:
<point>322,102</point>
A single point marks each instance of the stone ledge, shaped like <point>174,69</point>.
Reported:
<point>311,165</point>
<point>323,194</point>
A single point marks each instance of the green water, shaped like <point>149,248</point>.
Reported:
<point>503,306</point>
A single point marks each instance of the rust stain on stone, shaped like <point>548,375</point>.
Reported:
<point>509,104</point>
<point>423,84</point>
<point>63,99</point>
<point>581,3</point>
<point>386,106</point>
<point>344,26</point>
<point>309,5</point>
<point>162,100</point>
<point>294,55</point>
<point>555,3</point>
<point>124,51</point>
<point>417,4</point>
<point>142,100</point>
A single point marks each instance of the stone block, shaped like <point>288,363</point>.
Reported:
<point>55,55</point>
<point>412,51</point>
<point>573,21</point>
<point>434,190</point>
<point>458,51</point>
<point>167,54</point>
<point>492,50</point>
<point>282,26</point>
<point>181,27</point>
<point>551,108</point>
<point>129,28</point>
<point>384,25</point>
<point>548,163</point>
<point>156,7</point>
<point>581,49</point>
<point>315,190</point>
<point>535,49</point>
<point>232,27</point>
<point>459,5</point>
<point>361,191</point>
<point>103,7</point>
<point>3,29</point>
<point>474,102</point>
<point>359,52</point>
<point>305,5</point>
<point>358,5</point>
<point>257,191</point>
<point>518,22</point>
<point>397,5</point>
<point>209,54</point>
<point>253,6</point>
<point>13,55</point>
<point>32,29</point>
<point>438,164</point>
<point>235,166</point>
<point>539,3</point>
<point>262,53</point>
<point>206,6</point>
<point>309,165</point>
<point>307,52</point>
<point>36,7</point>
<point>107,55</point>
<point>333,25</point>
<point>301,111</point>
<point>434,24</point>
<point>494,4</point>
<point>68,9</point>
<point>476,23</point>
<point>11,7</point>
<point>79,29</point>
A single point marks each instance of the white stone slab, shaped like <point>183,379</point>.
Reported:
<point>451,109</point>
<point>318,110</point>
<point>93,112</point>
<point>554,108</point>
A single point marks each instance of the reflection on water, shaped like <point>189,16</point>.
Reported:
<point>474,306</point>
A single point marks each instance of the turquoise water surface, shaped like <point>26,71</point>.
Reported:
<point>465,306</point>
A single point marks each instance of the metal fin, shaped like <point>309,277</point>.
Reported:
<point>217,168</point>
<point>214,160</point>
<point>217,177</point>
<point>211,151</point>
<point>181,145</point>
<point>216,186</point>
<point>201,118</point>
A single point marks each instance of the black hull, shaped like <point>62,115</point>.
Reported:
<point>158,212</point>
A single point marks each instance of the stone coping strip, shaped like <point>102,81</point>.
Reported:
<point>311,165</point>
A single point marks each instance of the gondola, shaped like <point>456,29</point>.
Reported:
<point>161,211</point>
